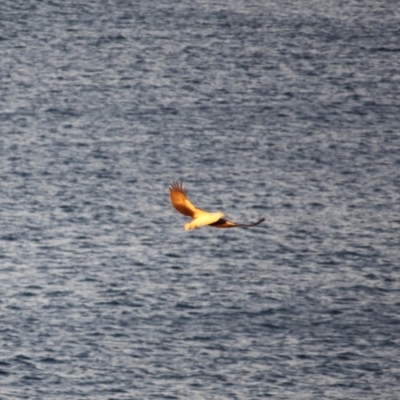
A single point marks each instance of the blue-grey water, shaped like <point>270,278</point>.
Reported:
<point>286,110</point>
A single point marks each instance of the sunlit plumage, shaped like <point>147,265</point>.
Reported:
<point>199,217</point>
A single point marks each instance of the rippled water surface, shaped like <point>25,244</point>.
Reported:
<point>279,109</point>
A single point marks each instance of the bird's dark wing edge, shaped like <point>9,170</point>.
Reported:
<point>223,223</point>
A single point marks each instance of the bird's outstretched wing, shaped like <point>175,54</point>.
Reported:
<point>177,193</point>
<point>223,223</point>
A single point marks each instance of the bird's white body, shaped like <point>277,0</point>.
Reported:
<point>203,218</point>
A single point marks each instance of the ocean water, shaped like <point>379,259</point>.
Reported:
<point>278,109</point>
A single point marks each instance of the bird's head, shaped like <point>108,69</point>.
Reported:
<point>189,226</point>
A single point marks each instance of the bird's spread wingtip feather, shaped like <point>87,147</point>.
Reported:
<point>178,186</point>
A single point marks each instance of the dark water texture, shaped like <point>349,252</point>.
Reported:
<point>283,109</point>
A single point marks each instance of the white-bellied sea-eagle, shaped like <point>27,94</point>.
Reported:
<point>181,203</point>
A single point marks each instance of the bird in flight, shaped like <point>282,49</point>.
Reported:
<point>181,203</point>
